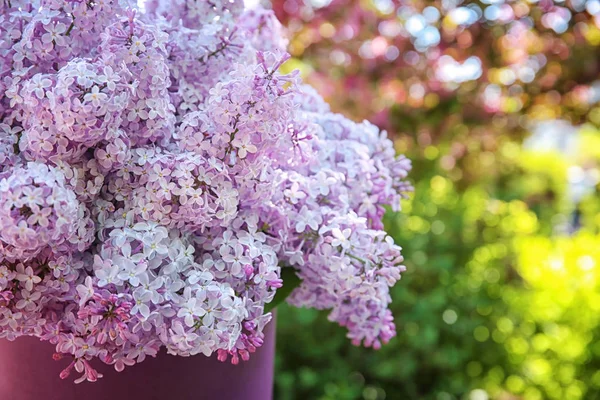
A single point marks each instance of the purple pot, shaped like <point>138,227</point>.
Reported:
<point>28,372</point>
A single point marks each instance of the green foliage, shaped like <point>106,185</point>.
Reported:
<point>291,282</point>
<point>551,333</point>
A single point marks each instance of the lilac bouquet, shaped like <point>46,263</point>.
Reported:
<point>160,180</point>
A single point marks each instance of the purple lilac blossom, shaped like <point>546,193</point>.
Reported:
<point>156,174</point>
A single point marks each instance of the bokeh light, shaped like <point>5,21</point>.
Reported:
<point>498,105</point>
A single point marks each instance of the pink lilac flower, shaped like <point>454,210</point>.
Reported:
<point>157,173</point>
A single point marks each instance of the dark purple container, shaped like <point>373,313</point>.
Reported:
<point>28,372</point>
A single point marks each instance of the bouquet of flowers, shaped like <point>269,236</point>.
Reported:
<point>160,180</point>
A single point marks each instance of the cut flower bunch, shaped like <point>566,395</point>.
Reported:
<point>160,180</point>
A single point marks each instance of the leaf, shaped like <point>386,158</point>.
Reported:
<point>290,282</point>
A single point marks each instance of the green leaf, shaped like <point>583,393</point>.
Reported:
<point>290,282</point>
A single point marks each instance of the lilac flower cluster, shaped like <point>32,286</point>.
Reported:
<point>157,173</point>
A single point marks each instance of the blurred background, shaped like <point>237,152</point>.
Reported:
<point>497,104</point>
